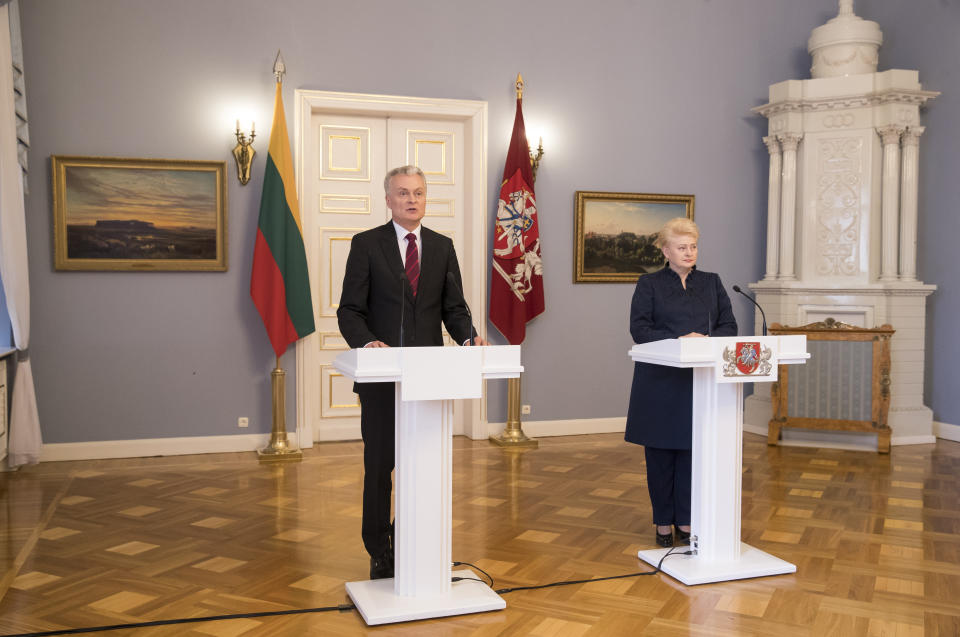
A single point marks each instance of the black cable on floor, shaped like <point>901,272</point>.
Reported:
<point>187,620</point>
<point>468,579</point>
<point>476,567</point>
<point>595,579</point>
<point>324,609</point>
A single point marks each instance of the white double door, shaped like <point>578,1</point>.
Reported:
<point>346,143</point>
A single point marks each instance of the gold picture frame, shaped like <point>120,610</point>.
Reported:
<point>614,233</point>
<point>112,213</point>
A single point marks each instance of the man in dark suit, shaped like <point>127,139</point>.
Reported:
<point>400,277</point>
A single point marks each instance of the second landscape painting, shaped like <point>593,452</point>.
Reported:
<point>616,232</point>
<point>139,214</point>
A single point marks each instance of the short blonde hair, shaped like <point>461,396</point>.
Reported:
<point>677,227</point>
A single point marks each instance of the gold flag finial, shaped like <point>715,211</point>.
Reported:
<point>279,68</point>
<point>519,86</point>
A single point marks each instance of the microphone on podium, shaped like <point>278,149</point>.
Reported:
<point>403,302</point>
<point>707,308</point>
<point>763,316</point>
<point>453,281</point>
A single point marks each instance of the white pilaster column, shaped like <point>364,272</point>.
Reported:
<point>909,174</point>
<point>773,208</point>
<point>890,202</point>
<point>788,203</point>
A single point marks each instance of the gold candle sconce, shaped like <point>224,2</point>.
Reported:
<point>243,152</point>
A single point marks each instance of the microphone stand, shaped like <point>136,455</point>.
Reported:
<point>709,316</point>
<point>453,281</point>
<point>512,435</point>
<point>763,316</point>
<point>403,302</point>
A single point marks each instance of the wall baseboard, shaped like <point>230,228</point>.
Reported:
<point>946,431</point>
<point>575,427</point>
<point>760,430</point>
<point>940,430</point>
<point>251,442</point>
<point>102,449</point>
<point>896,441</point>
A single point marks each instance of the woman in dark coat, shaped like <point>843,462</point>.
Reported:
<point>678,301</point>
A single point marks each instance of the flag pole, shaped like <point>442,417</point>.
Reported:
<point>280,448</point>
<point>512,435</point>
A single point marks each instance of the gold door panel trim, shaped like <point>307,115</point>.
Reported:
<point>330,403</point>
<point>330,304</point>
<point>440,208</point>
<point>332,341</point>
<point>443,133</point>
<point>345,204</point>
<point>328,407</point>
<point>330,269</point>
<point>441,173</point>
<point>360,168</point>
<point>443,156</point>
<point>358,159</point>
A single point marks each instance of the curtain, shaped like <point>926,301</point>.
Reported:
<point>19,92</point>
<point>24,436</point>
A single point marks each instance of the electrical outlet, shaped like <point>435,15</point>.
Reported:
<point>243,422</point>
<point>525,410</point>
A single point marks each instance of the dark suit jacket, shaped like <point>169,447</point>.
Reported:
<point>376,292</point>
<point>661,398</point>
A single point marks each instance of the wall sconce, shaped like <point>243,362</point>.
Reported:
<point>535,159</point>
<point>243,152</point>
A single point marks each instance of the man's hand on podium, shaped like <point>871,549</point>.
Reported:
<point>477,340</point>
<point>694,335</point>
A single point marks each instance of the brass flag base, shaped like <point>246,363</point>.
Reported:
<point>280,449</point>
<point>512,435</point>
<point>270,455</point>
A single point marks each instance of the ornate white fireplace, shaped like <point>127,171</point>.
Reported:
<point>842,213</point>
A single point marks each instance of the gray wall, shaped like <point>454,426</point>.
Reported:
<point>638,95</point>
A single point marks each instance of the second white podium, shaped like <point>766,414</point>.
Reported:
<point>720,367</point>
<point>428,380</point>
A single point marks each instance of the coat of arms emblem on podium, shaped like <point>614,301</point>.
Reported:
<point>747,358</point>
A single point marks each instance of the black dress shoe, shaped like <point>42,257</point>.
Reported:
<point>381,567</point>
<point>683,537</point>
<point>664,539</point>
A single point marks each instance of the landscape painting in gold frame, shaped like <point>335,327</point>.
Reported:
<point>615,233</point>
<point>112,213</point>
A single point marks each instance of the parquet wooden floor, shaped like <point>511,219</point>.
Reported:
<point>876,541</point>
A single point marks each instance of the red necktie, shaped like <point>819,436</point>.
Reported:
<point>413,262</point>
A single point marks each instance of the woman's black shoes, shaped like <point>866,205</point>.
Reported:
<point>664,539</point>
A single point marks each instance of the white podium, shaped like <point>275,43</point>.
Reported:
<point>428,380</point>
<point>720,367</point>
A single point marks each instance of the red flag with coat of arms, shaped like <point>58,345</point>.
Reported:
<point>516,283</point>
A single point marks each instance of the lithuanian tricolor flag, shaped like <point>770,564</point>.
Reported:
<point>280,284</point>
